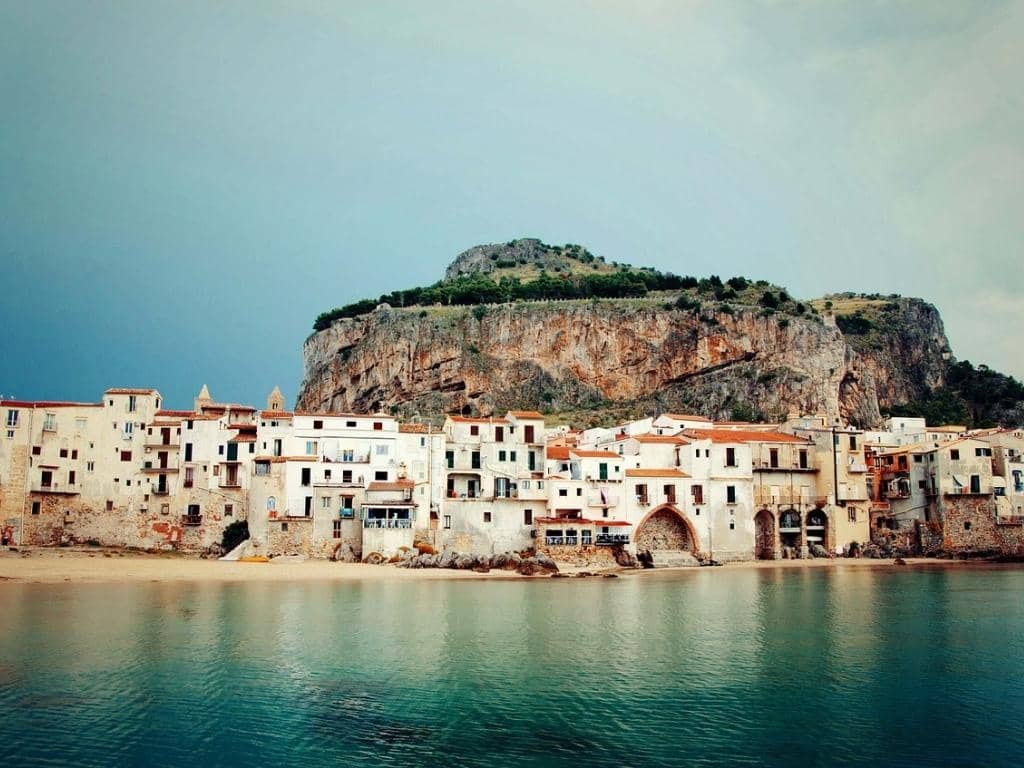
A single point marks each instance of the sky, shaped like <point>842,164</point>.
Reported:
<point>185,185</point>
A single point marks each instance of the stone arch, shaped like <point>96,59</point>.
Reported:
<point>764,531</point>
<point>791,532</point>
<point>666,528</point>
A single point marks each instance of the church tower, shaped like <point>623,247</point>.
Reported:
<point>275,400</point>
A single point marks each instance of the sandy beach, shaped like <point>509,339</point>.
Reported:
<point>53,566</point>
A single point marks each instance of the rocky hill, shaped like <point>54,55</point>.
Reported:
<point>734,349</point>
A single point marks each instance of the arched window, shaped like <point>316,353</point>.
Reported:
<point>271,504</point>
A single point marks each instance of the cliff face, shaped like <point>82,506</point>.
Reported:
<point>579,354</point>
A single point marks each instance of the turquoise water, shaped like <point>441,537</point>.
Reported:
<point>710,667</point>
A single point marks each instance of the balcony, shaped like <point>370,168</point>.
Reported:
<point>602,500</point>
<point>394,523</point>
<point>612,539</point>
<point>191,519</point>
<point>561,541</point>
<point>66,488</point>
<point>151,468</point>
<point>337,484</point>
<point>355,458</point>
<point>857,466</point>
<point>160,489</point>
<point>152,446</point>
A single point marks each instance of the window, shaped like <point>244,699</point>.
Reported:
<point>346,505</point>
<point>527,517</point>
<point>350,423</point>
<point>126,455</point>
<point>563,491</point>
<point>74,454</point>
<point>90,466</point>
<point>12,418</point>
<point>216,470</point>
<point>967,525</point>
<point>318,424</point>
<point>602,470</point>
<point>129,428</point>
<point>499,434</point>
<point>50,422</point>
<point>975,483</point>
<point>37,450</point>
<point>271,504</point>
<point>229,510</point>
<point>917,458</point>
<point>487,517</point>
<point>853,442</point>
<point>337,529</point>
<point>71,477</point>
<point>110,504</point>
<point>670,493</point>
<point>447,521</point>
<point>311,447</point>
<point>165,509</point>
<point>641,493</point>
<point>189,475</point>
<point>732,525</point>
<point>378,426</point>
<point>474,429</point>
<point>63,453</point>
<point>346,475</point>
<point>851,515</point>
<point>325,502</point>
<point>10,433</point>
<point>381,474</point>
<point>730,494</point>
<point>954,454</point>
<point>306,476</point>
<point>284,527</point>
<point>773,457</point>
<point>982,451</point>
<point>449,459</point>
<point>475,460</point>
<point>307,507</point>
<point>132,404</point>
<point>277,447</point>
<point>586,537</point>
<point>803,459</point>
<point>381,450</point>
<point>501,455</point>
<point>697,491</point>
<point>730,457</point>
<point>35,507</point>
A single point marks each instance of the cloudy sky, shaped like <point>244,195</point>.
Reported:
<point>185,185</point>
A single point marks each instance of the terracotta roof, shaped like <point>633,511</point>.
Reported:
<point>645,472</point>
<point>416,429</point>
<point>182,414</point>
<point>244,437</point>
<point>946,428</point>
<point>594,454</point>
<point>129,391</point>
<point>685,417</point>
<point>475,420</point>
<point>397,485</point>
<point>276,414</point>
<point>558,452</point>
<point>567,521</point>
<point>527,414</point>
<point>244,427</point>
<point>742,436</point>
<point>649,438</point>
<point>48,404</point>
<point>612,522</point>
<point>172,423</point>
<point>237,407</point>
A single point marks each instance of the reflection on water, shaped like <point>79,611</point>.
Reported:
<point>711,667</point>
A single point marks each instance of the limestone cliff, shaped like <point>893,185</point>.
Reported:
<point>633,356</point>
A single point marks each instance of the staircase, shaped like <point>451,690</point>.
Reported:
<point>674,558</point>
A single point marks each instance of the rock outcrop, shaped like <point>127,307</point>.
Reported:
<point>642,354</point>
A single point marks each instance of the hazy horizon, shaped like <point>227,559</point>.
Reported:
<point>184,187</point>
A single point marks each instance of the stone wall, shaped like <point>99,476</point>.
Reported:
<point>970,526</point>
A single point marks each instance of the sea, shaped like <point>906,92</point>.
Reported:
<point>891,666</point>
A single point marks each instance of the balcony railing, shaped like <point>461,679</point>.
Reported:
<point>610,539</point>
<point>160,490</point>
<point>38,487</point>
<point>191,519</point>
<point>333,483</point>
<point>561,541</point>
<point>376,523</point>
<point>356,458</point>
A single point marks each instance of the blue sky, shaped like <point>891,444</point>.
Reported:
<point>185,185</point>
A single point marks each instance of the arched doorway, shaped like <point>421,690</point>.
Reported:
<point>764,531</point>
<point>790,531</point>
<point>817,528</point>
<point>666,529</point>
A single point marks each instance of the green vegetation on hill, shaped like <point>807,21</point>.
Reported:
<point>974,397</point>
<point>482,289</point>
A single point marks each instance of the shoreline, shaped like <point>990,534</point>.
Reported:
<point>106,566</point>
